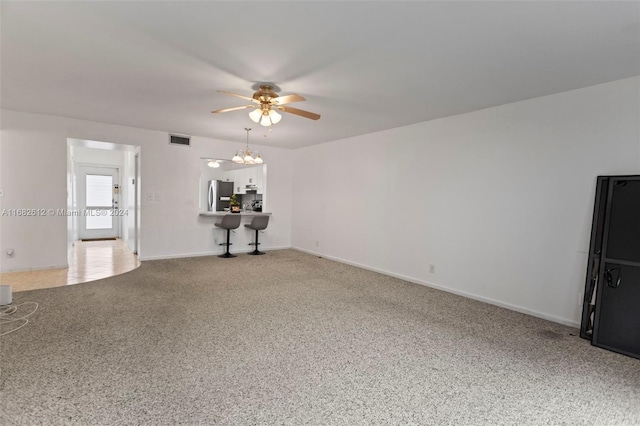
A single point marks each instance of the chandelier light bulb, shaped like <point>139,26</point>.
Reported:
<point>237,158</point>
<point>213,164</point>
<point>248,159</point>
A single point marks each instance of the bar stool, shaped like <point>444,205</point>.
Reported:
<point>258,223</point>
<point>229,222</point>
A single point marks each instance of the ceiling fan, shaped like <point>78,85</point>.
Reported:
<point>266,103</point>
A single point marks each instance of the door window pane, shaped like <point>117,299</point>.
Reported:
<point>99,190</point>
<point>98,219</point>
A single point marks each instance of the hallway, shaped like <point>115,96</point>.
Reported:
<point>91,260</point>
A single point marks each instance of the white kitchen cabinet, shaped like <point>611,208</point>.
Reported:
<point>260,181</point>
<point>243,176</point>
<point>239,181</point>
<point>251,176</point>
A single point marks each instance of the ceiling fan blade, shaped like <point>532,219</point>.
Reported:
<point>286,99</point>
<point>300,112</point>
<point>232,109</point>
<point>239,96</point>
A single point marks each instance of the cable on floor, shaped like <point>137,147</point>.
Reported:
<point>7,313</point>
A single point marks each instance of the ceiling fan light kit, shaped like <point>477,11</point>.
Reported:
<point>268,103</point>
<point>265,117</point>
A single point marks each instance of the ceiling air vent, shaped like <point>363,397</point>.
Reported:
<point>179,140</point>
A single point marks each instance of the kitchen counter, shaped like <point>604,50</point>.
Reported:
<point>247,214</point>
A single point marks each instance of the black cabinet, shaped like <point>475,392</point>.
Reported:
<point>611,311</point>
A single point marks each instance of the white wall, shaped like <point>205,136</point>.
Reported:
<point>33,174</point>
<point>499,200</point>
<point>128,201</point>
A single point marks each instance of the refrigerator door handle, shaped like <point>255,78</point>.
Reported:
<point>210,197</point>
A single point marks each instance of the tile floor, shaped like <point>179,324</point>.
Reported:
<point>91,260</point>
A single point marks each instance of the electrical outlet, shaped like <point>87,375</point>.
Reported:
<point>149,196</point>
<point>158,196</point>
<point>432,269</point>
<point>10,252</point>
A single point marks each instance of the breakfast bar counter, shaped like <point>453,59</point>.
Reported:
<point>226,222</point>
<point>245,213</point>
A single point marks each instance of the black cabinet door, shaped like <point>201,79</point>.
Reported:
<point>623,239</point>
<point>617,325</point>
<point>617,317</point>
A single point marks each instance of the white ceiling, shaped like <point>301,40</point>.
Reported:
<point>364,66</point>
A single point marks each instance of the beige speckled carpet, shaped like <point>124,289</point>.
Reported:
<point>289,338</point>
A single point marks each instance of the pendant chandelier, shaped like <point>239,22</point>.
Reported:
<point>244,156</point>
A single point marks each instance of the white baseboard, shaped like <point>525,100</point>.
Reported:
<point>37,268</point>
<point>490,301</point>
<point>208,253</point>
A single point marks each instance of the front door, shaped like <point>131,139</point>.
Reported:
<point>98,199</point>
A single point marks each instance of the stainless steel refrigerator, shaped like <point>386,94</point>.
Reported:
<point>219,193</point>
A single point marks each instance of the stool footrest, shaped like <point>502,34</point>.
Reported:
<point>227,255</point>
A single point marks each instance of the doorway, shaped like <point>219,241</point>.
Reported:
<point>103,193</point>
<point>98,203</point>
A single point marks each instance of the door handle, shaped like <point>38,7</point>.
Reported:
<point>609,277</point>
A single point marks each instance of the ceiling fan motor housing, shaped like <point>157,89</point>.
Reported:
<point>265,94</point>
